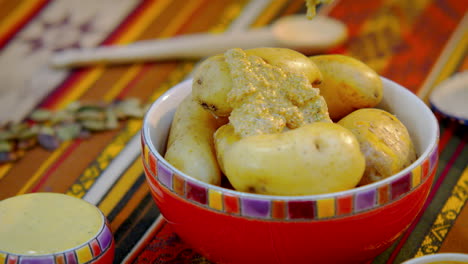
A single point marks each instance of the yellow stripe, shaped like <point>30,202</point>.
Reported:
<point>80,88</point>
<point>90,174</point>
<point>84,254</point>
<point>2,258</point>
<point>143,22</point>
<point>44,166</point>
<point>447,62</point>
<point>455,56</point>
<point>128,76</point>
<point>121,187</point>
<point>17,14</point>
<point>451,209</point>
<point>178,21</point>
<point>4,169</point>
<point>269,13</point>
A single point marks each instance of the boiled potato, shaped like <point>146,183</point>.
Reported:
<point>190,146</point>
<point>348,84</point>
<point>224,137</point>
<point>314,159</point>
<point>212,80</point>
<point>383,139</point>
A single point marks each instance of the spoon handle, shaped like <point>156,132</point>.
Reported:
<point>184,47</point>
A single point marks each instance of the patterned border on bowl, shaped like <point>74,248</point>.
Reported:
<point>289,208</point>
<point>85,253</point>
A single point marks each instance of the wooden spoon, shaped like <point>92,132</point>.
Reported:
<point>294,32</point>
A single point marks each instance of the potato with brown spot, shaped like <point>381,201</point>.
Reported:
<point>384,141</point>
<point>348,84</point>
<point>212,80</point>
<point>190,146</point>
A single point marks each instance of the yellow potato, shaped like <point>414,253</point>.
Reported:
<point>224,137</point>
<point>190,146</point>
<point>383,139</point>
<point>212,80</point>
<point>348,84</point>
<point>211,85</point>
<point>314,159</point>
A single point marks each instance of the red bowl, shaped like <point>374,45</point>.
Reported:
<point>350,226</point>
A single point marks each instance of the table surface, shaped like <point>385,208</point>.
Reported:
<point>415,43</point>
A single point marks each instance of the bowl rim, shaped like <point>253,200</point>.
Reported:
<point>428,152</point>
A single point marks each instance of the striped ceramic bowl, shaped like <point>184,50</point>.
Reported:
<point>53,228</point>
<point>343,227</point>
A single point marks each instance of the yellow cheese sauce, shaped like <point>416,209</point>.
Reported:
<point>44,223</point>
<point>267,99</point>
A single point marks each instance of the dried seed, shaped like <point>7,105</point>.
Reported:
<point>111,119</point>
<point>68,131</point>
<point>6,146</point>
<point>91,115</point>
<point>6,135</point>
<point>93,107</point>
<point>6,157</point>
<point>94,125</point>
<point>27,143</point>
<point>29,133</point>
<point>41,115</point>
<point>130,108</point>
<point>73,106</point>
<point>17,128</point>
<point>48,141</point>
<point>84,133</point>
<point>62,116</point>
<point>47,130</point>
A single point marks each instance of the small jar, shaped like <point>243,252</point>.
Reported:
<point>53,228</point>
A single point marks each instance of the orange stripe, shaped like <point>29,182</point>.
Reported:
<point>18,17</point>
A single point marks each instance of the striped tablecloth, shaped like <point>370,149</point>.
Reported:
<point>415,43</point>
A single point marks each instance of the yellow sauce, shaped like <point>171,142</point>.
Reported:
<point>267,99</point>
<point>44,223</point>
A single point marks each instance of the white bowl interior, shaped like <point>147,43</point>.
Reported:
<point>448,258</point>
<point>407,107</point>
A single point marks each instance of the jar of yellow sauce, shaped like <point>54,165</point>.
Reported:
<point>53,228</point>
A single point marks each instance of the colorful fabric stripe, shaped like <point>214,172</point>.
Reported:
<point>17,18</point>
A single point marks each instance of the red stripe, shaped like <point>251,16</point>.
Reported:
<point>56,164</point>
<point>433,192</point>
<point>117,33</point>
<point>6,37</point>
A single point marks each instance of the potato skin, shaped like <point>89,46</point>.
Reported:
<point>383,139</point>
<point>190,145</point>
<point>314,159</point>
<point>212,80</point>
<point>348,84</point>
<point>211,85</point>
